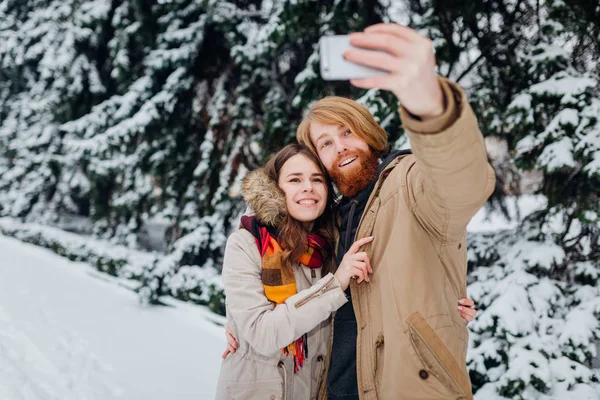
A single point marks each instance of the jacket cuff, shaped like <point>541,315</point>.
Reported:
<point>339,298</point>
<point>439,123</point>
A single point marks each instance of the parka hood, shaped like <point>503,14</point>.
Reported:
<point>264,197</point>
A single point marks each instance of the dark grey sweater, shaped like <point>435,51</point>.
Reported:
<point>341,378</point>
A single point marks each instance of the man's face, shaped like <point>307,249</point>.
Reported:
<point>348,159</point>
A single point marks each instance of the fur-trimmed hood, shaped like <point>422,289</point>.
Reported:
<point>264,197</point>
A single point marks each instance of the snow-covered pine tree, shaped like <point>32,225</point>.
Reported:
<point>107,111</point>
<point>48,77</point>
<point>128,112</point>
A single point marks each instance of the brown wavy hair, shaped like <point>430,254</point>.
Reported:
<point>292,233</point>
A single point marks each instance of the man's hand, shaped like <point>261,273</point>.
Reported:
<point>410,60</point>
<point>232,344</point>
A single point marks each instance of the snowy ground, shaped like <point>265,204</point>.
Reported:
<point>65,334</point>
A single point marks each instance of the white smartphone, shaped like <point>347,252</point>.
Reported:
<point>335,67</point>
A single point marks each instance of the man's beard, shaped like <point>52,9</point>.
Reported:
<point>358,177</point>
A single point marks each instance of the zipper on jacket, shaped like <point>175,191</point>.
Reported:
<point>311,296</point>
<point>322,394</point>
<point>321,361</point>
<point>313,273</point>
<point>281,365</point>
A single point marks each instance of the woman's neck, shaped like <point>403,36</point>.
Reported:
<point>308,226</point>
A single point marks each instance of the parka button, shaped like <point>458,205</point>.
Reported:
<point>423,374</point>
<point>272,397</point>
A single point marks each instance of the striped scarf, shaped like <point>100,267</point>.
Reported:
<point>279,285</point>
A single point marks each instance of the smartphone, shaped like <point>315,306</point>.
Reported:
<point>335,67</point>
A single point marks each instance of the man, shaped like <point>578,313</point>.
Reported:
<point>400,337</point>
<point>401,330</point>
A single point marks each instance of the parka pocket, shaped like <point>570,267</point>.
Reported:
<point>268,389</point>
<point>436,358</point>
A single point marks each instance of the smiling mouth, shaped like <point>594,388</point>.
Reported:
<point>307,202</point>
<point>347,161</point>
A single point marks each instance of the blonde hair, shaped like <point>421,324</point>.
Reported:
<point>336,110</point>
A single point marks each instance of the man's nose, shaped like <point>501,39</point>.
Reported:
<point>340,146</point>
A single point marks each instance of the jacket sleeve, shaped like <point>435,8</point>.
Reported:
<point>269,328</point>
<point>450,177</point>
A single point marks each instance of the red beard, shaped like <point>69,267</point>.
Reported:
<point>359,176</point>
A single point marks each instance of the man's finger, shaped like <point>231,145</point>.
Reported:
<point>374,59</point>
<point>394,29</point>
<point>225,354</point>
<point>231,340</point>
<point>379,82</point>
<point>393,45</point>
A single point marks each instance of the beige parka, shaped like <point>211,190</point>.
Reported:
<point>258,369</point>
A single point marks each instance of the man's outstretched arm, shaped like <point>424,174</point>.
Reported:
<point>451,177</point>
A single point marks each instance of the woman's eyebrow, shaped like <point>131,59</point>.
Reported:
<point>301,174</point>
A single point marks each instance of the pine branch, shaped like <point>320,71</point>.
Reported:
<point>470,67</point>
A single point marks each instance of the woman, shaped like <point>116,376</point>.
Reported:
<point>279,281</point>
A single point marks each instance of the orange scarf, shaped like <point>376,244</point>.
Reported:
<point>280,285</point>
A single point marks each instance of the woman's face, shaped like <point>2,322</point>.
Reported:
<point>304,187</point>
